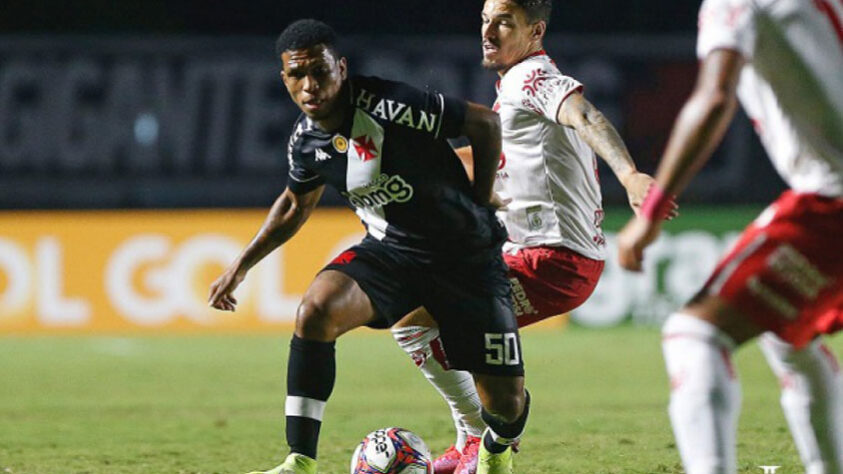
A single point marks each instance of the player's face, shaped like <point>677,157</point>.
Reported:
<point>508,36</point>
<point>313,77</point>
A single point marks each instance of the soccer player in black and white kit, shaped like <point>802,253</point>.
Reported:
<point>432,236</point>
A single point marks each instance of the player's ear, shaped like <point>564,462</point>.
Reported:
<point>539,29</point>
<point>283,57</point>
<point>343,65</point>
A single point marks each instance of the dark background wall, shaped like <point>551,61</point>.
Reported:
<point>258,17</point>
<point>131,103</point>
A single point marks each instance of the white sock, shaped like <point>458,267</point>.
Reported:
<point>812,400</point>
<point>705,395</point>
<point>455,386</point>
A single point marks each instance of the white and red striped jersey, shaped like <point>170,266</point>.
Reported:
<point>792,84</point>
<point>547,170</point>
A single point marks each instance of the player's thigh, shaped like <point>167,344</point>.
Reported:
<point>384,275</point>
<point>722,315</point>
<point>333,305</point>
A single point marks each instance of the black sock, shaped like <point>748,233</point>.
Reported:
<point>509,431</point>
<point>492,446</point>
<point>311,371</point>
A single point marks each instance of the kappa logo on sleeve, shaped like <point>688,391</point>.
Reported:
<point>322,155</point>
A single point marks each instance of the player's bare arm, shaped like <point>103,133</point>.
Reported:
<point>284,219</point>
<point>577,112</point>
<point>703,120</point>
<point>464,154</point>
<point>699,128</point>
<point>482,127</point>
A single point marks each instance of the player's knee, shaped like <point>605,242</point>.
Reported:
<point>313,321</point>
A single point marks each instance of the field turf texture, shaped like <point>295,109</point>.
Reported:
<point>214,403</point>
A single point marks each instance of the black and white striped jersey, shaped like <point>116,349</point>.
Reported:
<point>392,162</point>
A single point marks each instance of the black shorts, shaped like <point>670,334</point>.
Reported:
<point>470,299</point>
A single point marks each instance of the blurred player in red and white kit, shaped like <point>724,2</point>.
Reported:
<point>548,186</point>
<point>783,60</point>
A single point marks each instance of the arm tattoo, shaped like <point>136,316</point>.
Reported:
<point>602,137</point>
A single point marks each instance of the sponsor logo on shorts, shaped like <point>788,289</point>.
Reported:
<point>800,275</point>
<point>379,193</point>
<point>797,271</point>
<point>521,304</point>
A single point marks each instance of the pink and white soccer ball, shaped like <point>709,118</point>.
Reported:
<point>391,451</point>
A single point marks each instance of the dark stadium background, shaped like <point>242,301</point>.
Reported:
<point>363,17</point>
<point>635,57</point>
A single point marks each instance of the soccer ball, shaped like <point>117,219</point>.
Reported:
<point>391,451</point>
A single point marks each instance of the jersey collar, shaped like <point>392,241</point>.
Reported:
<point>540,52</point>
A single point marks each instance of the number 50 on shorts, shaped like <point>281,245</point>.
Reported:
<point>502,349</point>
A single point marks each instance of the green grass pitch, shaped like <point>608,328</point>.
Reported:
<point>214,404</point>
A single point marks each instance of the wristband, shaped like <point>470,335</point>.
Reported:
<point>657,204</point>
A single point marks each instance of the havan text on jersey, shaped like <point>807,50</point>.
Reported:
<point>396,112</point>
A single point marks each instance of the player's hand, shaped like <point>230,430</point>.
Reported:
<point>636,235</point>
<point>498,202</point>
<point>637,186</point>
<point>221,296</point>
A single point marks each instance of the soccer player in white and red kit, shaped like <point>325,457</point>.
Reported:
<point>548,180</point>
<point>783,60</point>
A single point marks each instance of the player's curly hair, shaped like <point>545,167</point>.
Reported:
<point>537,10</point>
<point>305,33</point>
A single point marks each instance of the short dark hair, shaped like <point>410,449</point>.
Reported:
<point>537,10</point>
<point>305,33</point>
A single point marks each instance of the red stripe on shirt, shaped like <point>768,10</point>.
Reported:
<point>828,10</point>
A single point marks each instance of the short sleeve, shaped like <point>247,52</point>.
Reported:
<point>301,179</point>
<point>543,90</point>
<point>726,24</point>
<point>442,116</point>
<point>453,116</point>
